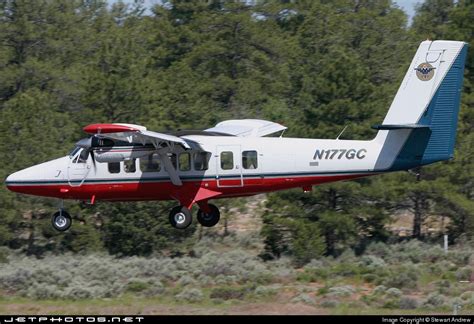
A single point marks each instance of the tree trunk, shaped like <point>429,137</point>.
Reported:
<point>417,220</point>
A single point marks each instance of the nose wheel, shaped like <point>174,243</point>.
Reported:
<point>180,217</point>
<point>209,219</point>
<point>61,220</point>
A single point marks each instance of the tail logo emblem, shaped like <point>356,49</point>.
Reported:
<point>425,71</point>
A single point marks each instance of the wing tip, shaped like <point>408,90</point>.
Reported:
<point>109,128</point>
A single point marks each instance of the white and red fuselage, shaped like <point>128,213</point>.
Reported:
<point>274,163</point>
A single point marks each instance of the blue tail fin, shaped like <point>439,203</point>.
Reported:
<point>441,115</point>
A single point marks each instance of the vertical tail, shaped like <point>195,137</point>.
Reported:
<point>420,127</point>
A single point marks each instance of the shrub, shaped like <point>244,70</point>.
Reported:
<point>394,292</point>
<point>464,273</point>
<point>265,291</point>
<point>78,292</point>
<point>186,281</point>
<point>303,298</point>
<point>406,278</point>
<point>136,286</point>
<point>379,290</point>
<point>372,261</point>
<point>467,295</point>
<point>342,291</point>
<point>226,293</point>
<point>329,303</point>
<point>391,303</point>
<point>205,280</point>
<point>43,291</point>
<point>155,290</point>
<point>434,300</point>
<point>370,277</point>
<point>192,295</point>
<point>408,303</point>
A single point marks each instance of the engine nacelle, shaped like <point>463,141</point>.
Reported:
<point>111,156</point>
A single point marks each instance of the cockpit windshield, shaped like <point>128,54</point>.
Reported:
<point>74,151</point>
<point>82,157</point>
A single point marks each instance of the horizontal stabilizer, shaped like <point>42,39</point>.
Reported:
<point>405,126</point>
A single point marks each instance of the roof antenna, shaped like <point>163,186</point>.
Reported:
<point>341,132</point>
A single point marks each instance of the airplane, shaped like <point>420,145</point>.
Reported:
<point>236,158</point>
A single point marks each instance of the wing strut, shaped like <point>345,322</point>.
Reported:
<point>174,177</point>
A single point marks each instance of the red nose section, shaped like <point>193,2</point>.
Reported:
<point>108,128</point>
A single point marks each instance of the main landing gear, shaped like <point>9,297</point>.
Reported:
<point>180,216</point>
<point>61,220</point>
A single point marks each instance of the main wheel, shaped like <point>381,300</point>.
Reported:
<point>61,220</point>
<point>180,217</point>
<point>209,219</point>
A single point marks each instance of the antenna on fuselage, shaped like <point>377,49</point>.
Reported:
<point>341,132</point>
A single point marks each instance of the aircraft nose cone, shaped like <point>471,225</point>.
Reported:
<point>10,180</point>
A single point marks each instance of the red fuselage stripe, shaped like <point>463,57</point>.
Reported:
<point>165,190</point>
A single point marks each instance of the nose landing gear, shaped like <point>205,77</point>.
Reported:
<point>61,220</point>
<point>180,217</point>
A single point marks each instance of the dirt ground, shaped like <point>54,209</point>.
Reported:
<point>139,309</point>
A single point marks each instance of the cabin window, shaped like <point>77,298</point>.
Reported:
<point>201,161</point>
<point>150,163</point>
<point>130,166</point>
<point>114,167</point>
<point>227,160</point>
<point>249,159</point>
<point>185,162</point>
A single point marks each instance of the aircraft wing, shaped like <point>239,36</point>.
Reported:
<point>139,134</point>
<point>247,127</point>
<point>134,134</point>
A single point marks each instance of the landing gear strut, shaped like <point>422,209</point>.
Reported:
<point>61,220</point>
<point>180,217</point>
<point>210,218</point>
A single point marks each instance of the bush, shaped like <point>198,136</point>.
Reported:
<point>408,303</point>
<point>329,303</point>
<point>155,290</point>
<point>192,295</point>
<point>265,291</point>
<point>136,286</point>
<point>379,290</point>
<point>405,278</point>
<point>464,274</point>
<point>226,293</point>
<point>434,300</point>
<point>303,298</point>
<point>373,262</point>
<point>186,281</point>
<point>394,292</point>
<point>342,291</point>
